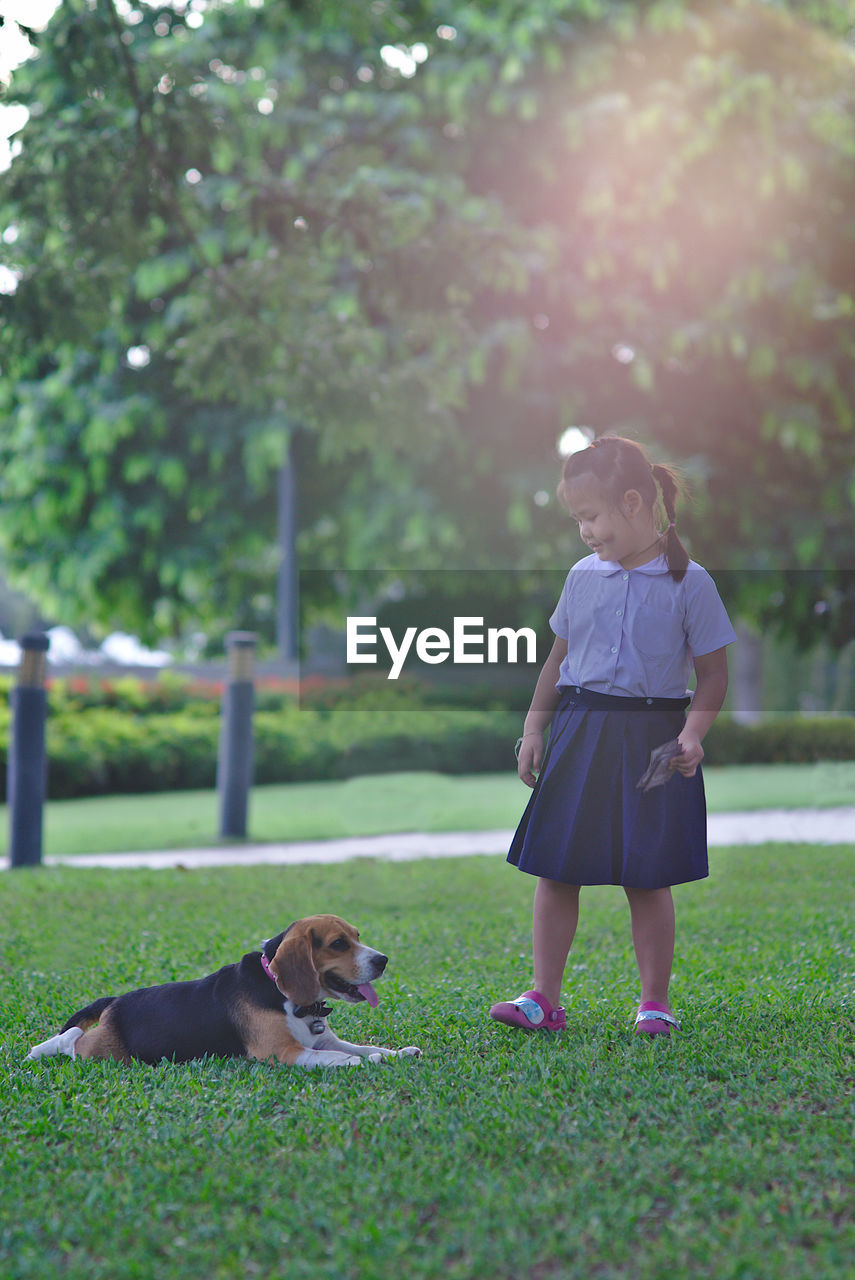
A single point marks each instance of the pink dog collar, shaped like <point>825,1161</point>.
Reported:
<point>316,1010</point>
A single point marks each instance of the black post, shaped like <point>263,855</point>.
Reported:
<point>234,764</point>
<point>287,586</point>
<point>26,767</point>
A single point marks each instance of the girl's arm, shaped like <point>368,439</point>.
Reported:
<point>543,704</point>
<point>711,670</point>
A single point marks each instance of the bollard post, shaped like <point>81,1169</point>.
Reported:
<point>26,766</point>
<point>234,762</point>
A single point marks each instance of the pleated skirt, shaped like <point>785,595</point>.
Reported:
<point>587,823</point>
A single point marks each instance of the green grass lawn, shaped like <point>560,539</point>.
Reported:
<point>387,802</point>
<point>723,1154</point>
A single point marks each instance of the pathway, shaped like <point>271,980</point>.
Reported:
<point>808,826</point>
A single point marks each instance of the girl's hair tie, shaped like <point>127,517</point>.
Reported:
<point>672,525</point>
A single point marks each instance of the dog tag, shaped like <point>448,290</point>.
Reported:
<point>316,1026</point>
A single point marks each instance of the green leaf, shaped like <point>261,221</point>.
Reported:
<point>162,274</point>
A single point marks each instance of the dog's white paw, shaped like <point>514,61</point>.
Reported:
<point>62,1043</point>
<point>373,1057</point>
<point>411,1051</point>
<point>327,1058</point>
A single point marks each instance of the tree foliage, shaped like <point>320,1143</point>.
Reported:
<point>221,232</point>
<point>431,236</point>
<point>693,168</point>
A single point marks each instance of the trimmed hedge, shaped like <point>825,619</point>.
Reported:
<point>133,737</point>
<point>785,739</point>
<point>103,752</point>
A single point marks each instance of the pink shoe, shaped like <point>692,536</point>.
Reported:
<point>654,1020</point>
<point>531,1011</point>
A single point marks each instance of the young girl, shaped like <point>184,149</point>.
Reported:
<point>632,618</point>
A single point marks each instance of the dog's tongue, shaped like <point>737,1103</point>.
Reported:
<point>366,989</point>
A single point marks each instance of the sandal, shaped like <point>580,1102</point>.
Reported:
<point>531,1011</point>
<point>654,1020</point>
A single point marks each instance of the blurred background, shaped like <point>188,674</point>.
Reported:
<point>326,289</point>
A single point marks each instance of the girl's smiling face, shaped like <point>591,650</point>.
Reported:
<point>594,514</point>
<point>612,533</point>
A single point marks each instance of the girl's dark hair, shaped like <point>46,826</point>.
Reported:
<point>620,464</point>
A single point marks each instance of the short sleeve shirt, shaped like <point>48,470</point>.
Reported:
<point>634,632</point>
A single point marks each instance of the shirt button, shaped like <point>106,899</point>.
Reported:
<point>625,576</point>
<point>614,649</point>
<point>650,702</point>
<point>619,612</point>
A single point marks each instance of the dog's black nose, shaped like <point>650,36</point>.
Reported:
<point>379,963</point>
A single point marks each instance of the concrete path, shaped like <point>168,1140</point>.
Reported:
<point>808,826</point>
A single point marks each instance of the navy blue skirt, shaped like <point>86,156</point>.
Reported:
<point>586,823</point>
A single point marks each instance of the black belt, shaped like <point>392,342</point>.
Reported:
<point>611,702</point>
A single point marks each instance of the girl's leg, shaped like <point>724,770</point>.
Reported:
<point>653,929</point>
<point>554,919</point>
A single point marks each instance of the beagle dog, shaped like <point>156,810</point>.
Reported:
<point>271,1004</point>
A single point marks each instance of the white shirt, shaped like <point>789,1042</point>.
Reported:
<point>633,632</point>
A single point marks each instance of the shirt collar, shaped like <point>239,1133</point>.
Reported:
<point>609,567</point>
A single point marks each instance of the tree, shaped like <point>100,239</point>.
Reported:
<point>691,168</point>
<point>630,216</point>
<point>221,232</point>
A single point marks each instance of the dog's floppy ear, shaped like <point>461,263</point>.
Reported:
<point>295,968</point>
<point>271,945</point>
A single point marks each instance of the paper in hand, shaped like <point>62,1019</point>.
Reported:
<point>657,771</point>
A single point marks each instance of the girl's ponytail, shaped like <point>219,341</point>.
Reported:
<point>675,553</point>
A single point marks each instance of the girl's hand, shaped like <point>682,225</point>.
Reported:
<point>689,758</point>
<point>530,758</point>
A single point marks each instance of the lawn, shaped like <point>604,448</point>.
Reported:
<point>385,803</point>
<point>725,1153</point>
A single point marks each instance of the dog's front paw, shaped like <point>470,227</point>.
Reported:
<point>327,1058</point>
<point>411,1051</point>
<point>373,1057</point>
